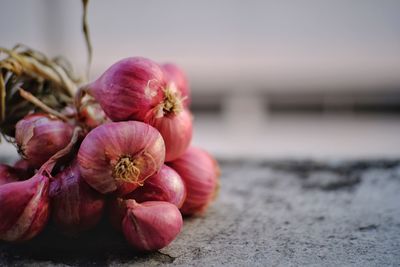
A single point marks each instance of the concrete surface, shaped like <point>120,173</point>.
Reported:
<point>287,213</point>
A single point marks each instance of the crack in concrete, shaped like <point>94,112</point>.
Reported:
<point>165,257</point>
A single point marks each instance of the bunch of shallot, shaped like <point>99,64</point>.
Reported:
<point>120,149</point>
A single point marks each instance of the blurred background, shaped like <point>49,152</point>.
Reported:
<point>270,79</point>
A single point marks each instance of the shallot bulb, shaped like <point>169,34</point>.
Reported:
<point>40,136</point>
<point>199,171</point>
<point>175,75</point>
<point>24,205</point>
<point>166,185</point>
<point>24,208</point>
<point>76,207</point>
<point>151,225</point>
<point>129,89</point>
<point>10,174</point>
<point>173,121</point>
<point>120,156</point>
<point>175,126</point>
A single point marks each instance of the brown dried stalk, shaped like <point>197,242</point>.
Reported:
<point>31,98</point>
<point>85,29</point>
<point>49,81</point>
<point>49,84</point>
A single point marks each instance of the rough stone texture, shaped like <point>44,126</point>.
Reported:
<point>267,214</point>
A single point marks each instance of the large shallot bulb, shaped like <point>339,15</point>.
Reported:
<point>24,208</point>
<point>129,89</point>
<point>40,136</point>
<point>120,156</point>
<point>151,225</point>
<point>76,207</point>
<point>199,171</point>
<point>173,121</point>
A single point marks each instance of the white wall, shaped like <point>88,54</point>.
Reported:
<point>226,44</point>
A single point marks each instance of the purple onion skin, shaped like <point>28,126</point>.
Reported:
<point>199,171</point>
<point>24,208</point>
<point>76,207</point>
<point>176,129</point>
<point>166,185</point>
<point>129,89</point>
<point>151,225</point>
<point>174,74</point>
<point>40,136</point>
<point>104,147</point>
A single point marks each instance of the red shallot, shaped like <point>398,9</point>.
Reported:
<point>151,225</point>
<point>120,156</point>
<point>40,136</point>
<point>76,207</point>
<point>129,89</point>
<point>200,174</point>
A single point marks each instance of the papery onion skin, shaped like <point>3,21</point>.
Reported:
<point>151,225</point>
<point>129,88</point>
<point>76,207</point>
<point>40,136</point>
<point>120,156</point>
<point>166,185</point>
<point>24,208</point>
<point>174,74</point>
<point>176,130</point>
<point>69,111</point>
<point>10,174</point>
<point>199,172</point>
<point>91,114</point>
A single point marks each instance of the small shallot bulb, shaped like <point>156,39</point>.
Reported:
<point>10,174</point>
<point>120,156</point>
<point>129,88</point>
<point>76,207</point>
<point>174,74</point>
<point>40,136</point>
<point>199,171</point>
<point>173,121</point>
<point>166,185</point>
<point>24,208</point>
<point>151,225</point>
